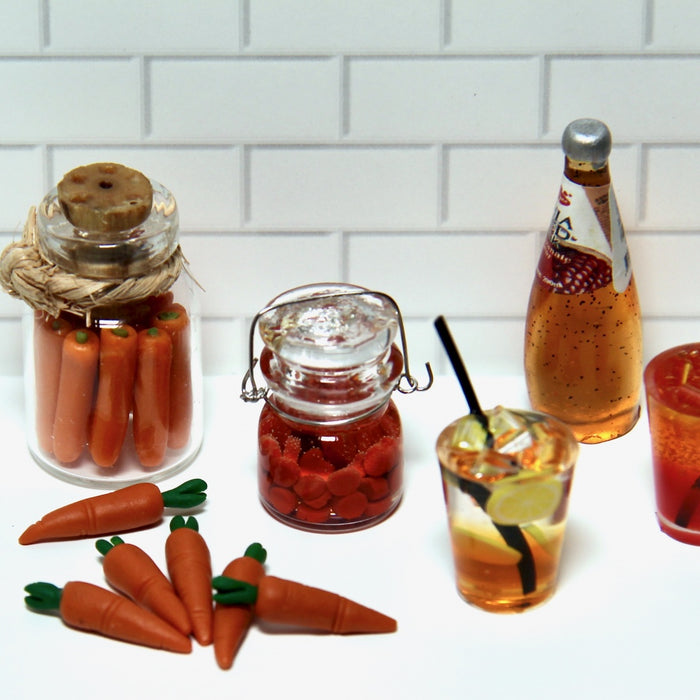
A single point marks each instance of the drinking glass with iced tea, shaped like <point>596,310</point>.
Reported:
<point>672,382</point>
<point>506,486</point>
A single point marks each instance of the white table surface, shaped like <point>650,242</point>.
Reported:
<point>622,624</point>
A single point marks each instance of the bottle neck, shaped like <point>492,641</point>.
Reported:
<point>586,173</point>
<point>586,248</point>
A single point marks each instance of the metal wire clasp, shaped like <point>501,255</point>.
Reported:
<point>406,383</point>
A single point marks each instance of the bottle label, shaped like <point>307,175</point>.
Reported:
<point>586,247</point>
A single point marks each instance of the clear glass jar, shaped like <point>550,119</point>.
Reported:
<point>330,443</point>
<point>113,374</point>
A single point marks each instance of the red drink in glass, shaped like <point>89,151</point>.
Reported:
<point>672,381</point>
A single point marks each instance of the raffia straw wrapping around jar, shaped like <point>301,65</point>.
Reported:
<point>26,274</point>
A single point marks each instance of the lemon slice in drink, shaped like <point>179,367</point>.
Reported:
<point>519,503</point>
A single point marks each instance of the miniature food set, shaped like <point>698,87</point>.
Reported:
<point>116,400</point>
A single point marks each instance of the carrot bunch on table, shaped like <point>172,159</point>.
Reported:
<point>90,381</point>
<point>145,605</point>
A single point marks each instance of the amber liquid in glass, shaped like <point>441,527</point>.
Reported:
<point>583,351</point>
<point>487,575</point>
<point>506,568</point>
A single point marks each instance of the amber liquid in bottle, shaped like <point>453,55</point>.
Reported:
<point>583,343</point>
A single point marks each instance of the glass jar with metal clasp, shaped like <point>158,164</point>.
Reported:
<point>330,447</point>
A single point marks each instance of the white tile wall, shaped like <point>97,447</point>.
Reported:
<point>263,99</point>
<point>21,26</point>
<point>545,26</point>
<point>135,26</point>
<point>70,99</point>
<point>21,178</point>
<point>338,26</point>
<point>341,186</point>
<point>675,25</point>
<point>443,98</point>
<point>407,145</point>
<point>671,175</point>
<point>657,90</point>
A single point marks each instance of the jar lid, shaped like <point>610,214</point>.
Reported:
<point>587,140</point>
<point>109,254</point>
<point>329,325</point>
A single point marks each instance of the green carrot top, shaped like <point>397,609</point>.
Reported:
<point>187,495</point>
<point>168,315</point>
<point>256,551</point>
<point>43,596</point>
<point>232,591</point>
<point>103,546</point>
<point>178,522</point>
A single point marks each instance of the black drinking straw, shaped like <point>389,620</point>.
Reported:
<point>689,505</point>
<point>511,534</point>
<point>462,375</point>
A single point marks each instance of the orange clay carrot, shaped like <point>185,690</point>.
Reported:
<point>174,320</point>
<point>152,396</point>
<point>115,390</point>
<point>231,621</point>
<point>189,567</point>
<point>81,349</point>
<point>132,572</point>
<point>49,333</point>
<point>156,303</point>
<point>95,609</point>
<point>290,603</point>
<point>127,508</point>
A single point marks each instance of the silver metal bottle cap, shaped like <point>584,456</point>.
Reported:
<point>587,140</point>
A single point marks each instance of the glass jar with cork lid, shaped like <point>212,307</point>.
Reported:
<point>112,354</point>
<point>330,442</point>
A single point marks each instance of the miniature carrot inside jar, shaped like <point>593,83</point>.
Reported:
<point>100,258</point>
<point>330,443</point>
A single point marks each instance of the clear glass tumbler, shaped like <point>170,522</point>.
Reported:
<point>672,382</point>
<point>507,494</point>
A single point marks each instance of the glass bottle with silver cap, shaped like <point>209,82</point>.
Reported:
<point>583,343</point>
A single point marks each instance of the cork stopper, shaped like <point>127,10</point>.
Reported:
<point>105,220</point>
<point>105,197</point>
<point>587,141</point>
